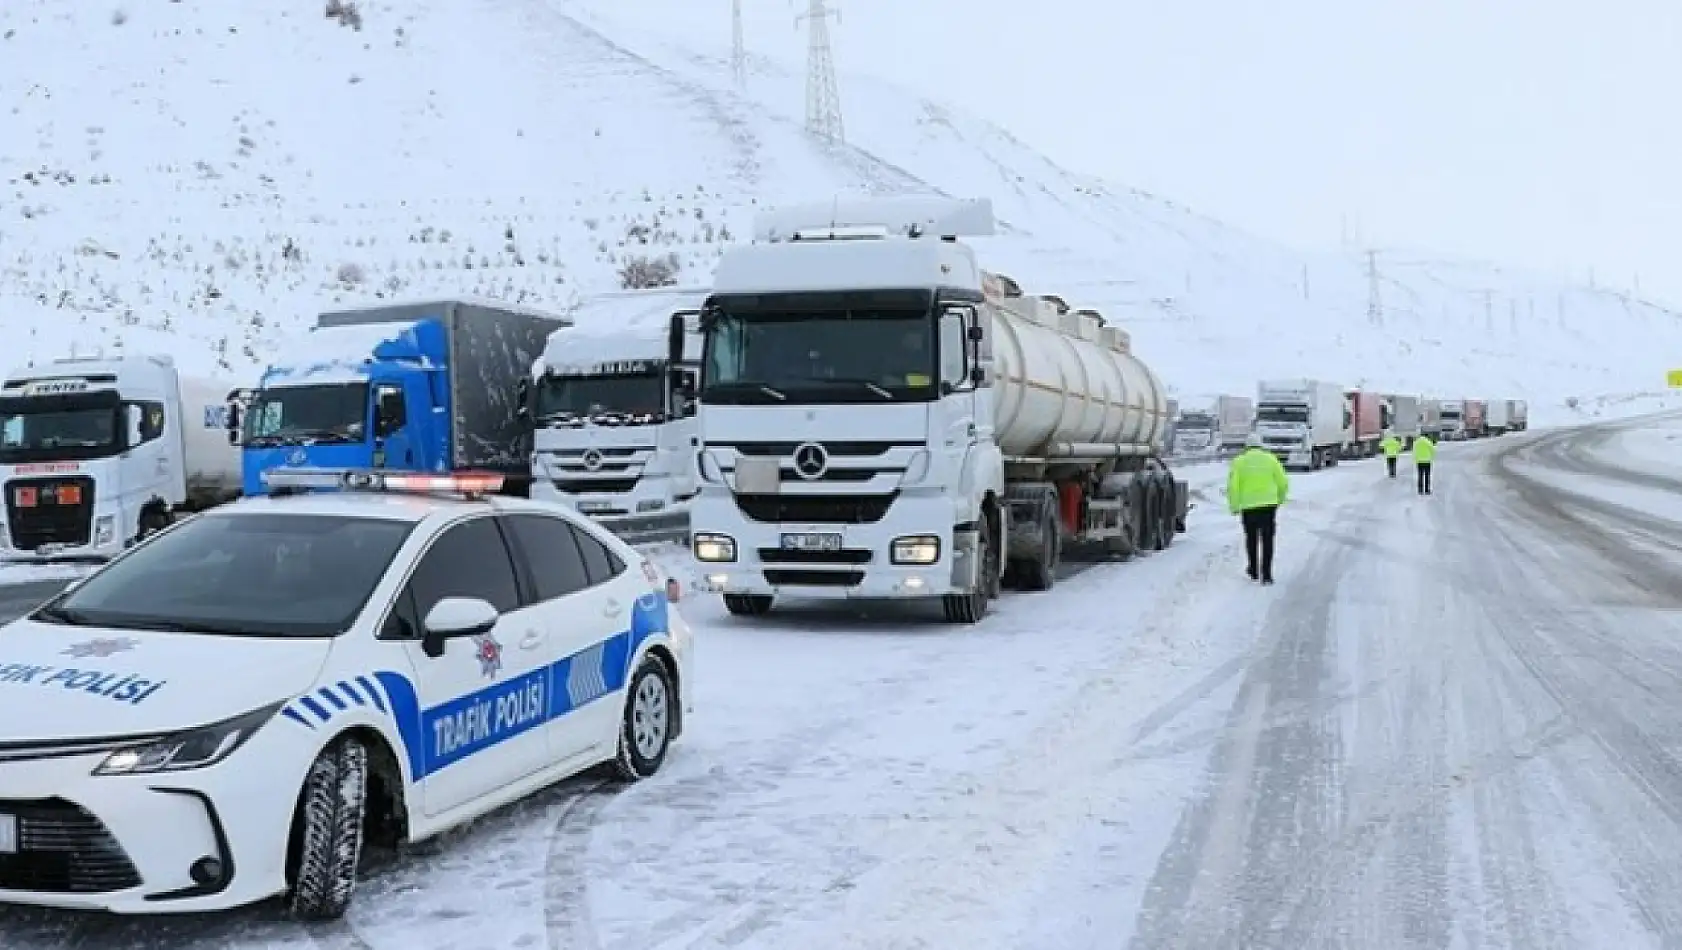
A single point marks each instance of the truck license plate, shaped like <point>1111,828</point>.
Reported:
<point>811,542</point>
<point>8,834</point>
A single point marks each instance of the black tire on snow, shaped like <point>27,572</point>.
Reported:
<point>971,607</point>
<point>747,605</point>
<point>151,522</point>
<point>1167,520</point>
<point>1040,572</point>
<point>651,708</point>
<point>327,831</point>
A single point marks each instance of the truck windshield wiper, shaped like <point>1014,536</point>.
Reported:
<point>867,384</point>
<point>311,435</point>
<point>726,388</point>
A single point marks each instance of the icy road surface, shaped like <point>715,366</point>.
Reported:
<point>1455,722</point>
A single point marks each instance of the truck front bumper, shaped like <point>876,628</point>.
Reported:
<point>105,540</point>
<point>742,556</point>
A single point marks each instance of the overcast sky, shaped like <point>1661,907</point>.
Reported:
<point>1539,132</point>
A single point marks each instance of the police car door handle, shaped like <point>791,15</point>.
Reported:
<point>533,640</point>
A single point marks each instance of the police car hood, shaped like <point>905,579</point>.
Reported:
<point>63,682</point>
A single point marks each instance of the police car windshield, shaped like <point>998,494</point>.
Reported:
<point>265,575</point>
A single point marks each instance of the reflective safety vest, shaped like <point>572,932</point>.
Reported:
<point>1256,480</point>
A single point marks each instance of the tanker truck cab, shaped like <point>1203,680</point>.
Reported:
<point>95,454</point>
<point>850,436</point>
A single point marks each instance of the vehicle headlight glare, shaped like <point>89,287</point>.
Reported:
<point>714,548</point>
<point>191,749</point>
<point>916,549</point>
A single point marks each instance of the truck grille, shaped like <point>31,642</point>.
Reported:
<point>783,577</point>
<point>783,556</point>
<point>586,486</point>
<point>36,514</point>
<point>63,850</point>
<point>816,509</point>
<point>835,449</point>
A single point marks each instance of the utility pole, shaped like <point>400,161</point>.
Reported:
<point>823,93</point>
<point>1375,300</point>
<point>738,49</point>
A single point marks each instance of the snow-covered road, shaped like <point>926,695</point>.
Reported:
<point>1455,722</point>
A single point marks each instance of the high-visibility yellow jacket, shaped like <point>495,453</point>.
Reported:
<point>1256,480</point>
<point>1424,450</point>
<point>1392,446</point>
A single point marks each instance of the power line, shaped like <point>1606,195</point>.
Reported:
<point>738,49</point>
<point>823,93</point>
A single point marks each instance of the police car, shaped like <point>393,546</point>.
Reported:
<point>229,710</point>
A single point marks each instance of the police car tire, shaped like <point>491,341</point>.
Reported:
<point>329,831</point>
<point>630,765</point>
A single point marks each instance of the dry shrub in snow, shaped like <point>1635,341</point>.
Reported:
<point>346,12</point>
<point>350,274</point>
<point>641,272</point>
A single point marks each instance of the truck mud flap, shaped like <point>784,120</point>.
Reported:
<point>669,527</point>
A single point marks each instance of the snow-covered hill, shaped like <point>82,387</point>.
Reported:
<point>203,177</point>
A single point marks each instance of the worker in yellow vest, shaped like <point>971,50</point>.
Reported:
<point>1424,455</point>
<point>1256,485</point>
<point>1392,447</point>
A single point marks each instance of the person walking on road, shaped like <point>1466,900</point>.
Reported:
<point>1256,485</point>
<point>1424,454</point>
<point>1392,447</point>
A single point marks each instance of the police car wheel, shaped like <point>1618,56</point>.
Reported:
<point>646,731</point>
<point>327,832</point>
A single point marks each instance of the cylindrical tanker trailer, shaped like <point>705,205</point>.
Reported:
<point>881,418</point>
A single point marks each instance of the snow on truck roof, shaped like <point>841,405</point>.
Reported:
<point>620,326</point>
<point>331,354</point>
<point>439,303</point>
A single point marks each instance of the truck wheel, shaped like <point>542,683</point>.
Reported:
<point>971,607</point>
<point>327,831</point>
<point>1040,571</point>
<point>1170,503</point>
<point>747,605</point>
<point>645,735</point>
<point>152,520</point>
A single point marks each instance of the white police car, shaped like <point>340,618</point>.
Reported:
<point>229,710</point>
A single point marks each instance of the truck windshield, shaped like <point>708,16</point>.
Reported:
<point>641,397</point>
<point>1275,413</point>
<point>834,356</point>
<point>1451,414</point>
<point>260,575</point>
<point>42,435</point>
<point>293,415</point>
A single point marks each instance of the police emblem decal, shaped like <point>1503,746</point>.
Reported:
<point>100,647</point>
<point>489,653</point>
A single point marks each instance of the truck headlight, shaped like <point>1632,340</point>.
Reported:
<point>714,548</point>
<point>192,749</point>
<point>916,549</point>
<point>104,529</point>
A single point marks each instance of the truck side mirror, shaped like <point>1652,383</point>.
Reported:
<point>132,418</point>
<point>675,335</point>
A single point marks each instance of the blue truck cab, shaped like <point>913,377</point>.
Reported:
<point>431,386</point>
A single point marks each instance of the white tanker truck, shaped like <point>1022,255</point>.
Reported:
<point>880,418</point>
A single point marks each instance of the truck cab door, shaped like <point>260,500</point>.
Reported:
<point>393,436</point>
<point>955,426</point>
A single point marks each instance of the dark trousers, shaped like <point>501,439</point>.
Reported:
<point>1390,463</point>
<point>1424,470</point>
<point>1258,540</point>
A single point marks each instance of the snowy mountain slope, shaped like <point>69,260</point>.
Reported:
<point>173,194</point>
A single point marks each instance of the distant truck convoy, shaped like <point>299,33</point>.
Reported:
<point>1216,425</point>
<point>434,386</point>
<point>1402,417</point>
<point>1303,421</point>
<point>881,418</point>
<point>1366,423</point>
<point>614,420</point>
<point>1498,417</point>
<point>96,454</point>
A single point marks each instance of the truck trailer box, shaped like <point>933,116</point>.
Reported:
<point>1405,417</point>
<point>1235,417</point>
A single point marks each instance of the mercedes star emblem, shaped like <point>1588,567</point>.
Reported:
<point>810,460</point>
<point>592,460</point>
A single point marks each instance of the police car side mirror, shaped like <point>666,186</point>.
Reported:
<point>455,617</point>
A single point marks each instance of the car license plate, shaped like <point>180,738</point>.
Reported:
<point>8,834</point>
<point>811,542</point>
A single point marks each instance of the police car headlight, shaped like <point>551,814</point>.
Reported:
<point>192,749</point>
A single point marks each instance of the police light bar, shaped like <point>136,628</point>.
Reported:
<point>334,479</point>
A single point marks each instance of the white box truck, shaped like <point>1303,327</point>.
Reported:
<point>1431,418</point>
<point>97,453</point>
<point>1518,412</point>
<point>1402,417</point>
<point>1303,421</point>
<point>1453,426</point>
<point>1235,417</point>
<point>614,425</point>
<point>1497,417</point>
<point>881,418</point>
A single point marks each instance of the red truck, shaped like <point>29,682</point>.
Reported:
<point>1477,415</point>
<point>1366,423</point>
